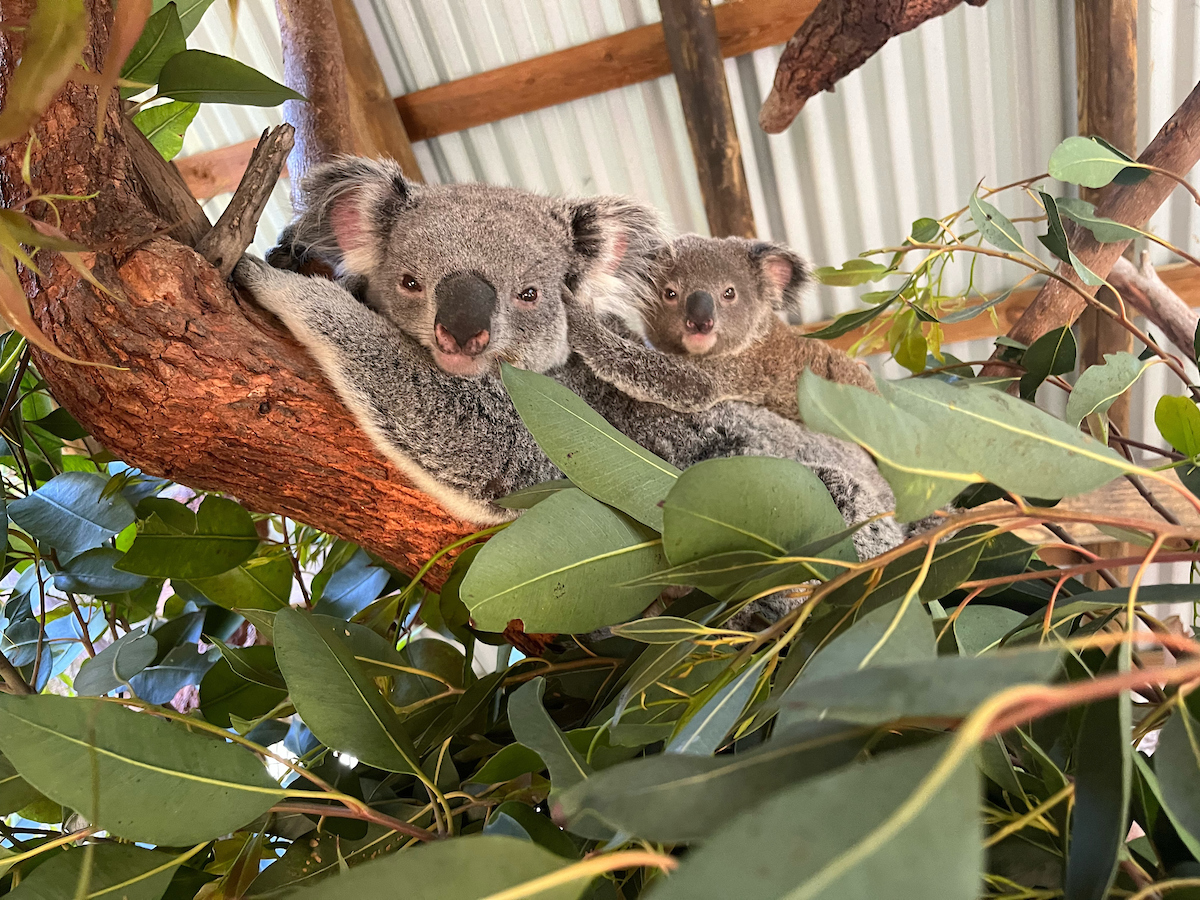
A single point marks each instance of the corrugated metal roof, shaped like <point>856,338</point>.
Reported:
<point>984,93</point>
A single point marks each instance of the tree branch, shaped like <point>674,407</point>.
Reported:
<point>210,393</point>
<point>836,39</point>
<point>1176,149</point>
<point>165,188</point>
<point>1142,289</point>
<point>225,243</point>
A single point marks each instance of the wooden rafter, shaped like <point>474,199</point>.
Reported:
<point>620,60</point>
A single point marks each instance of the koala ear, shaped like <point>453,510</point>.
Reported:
<point>612,238</point>
<point>784,273</point>
<point>349,207</point>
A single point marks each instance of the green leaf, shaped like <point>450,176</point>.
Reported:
<point>979,628</point>
<point>924,230</point>
<point>705,731</point>
<point>954,561</point>
<point>469,868</point>
<point>1177,419</point>
<point>911,349</point>
<point>995,227</point>
<point>190,11</point>
<point>847,322</point>
<point>518,820</point>
<point>264,582</point>
<point>1051,354</point>
<point>15,791</point>
<point>533,728</point>
<point>165,125</point>
<point>749,503</point>
<point>53,44</point>
<point>1177,765</point>
<point>529,497</point>
<point>861,831</point>
<point>511,762</point>
<point>105,761</point>
<point>320,855</point>
<point>949,686</point>
<point>1055,240</point>
<point>68,514</point>
<point>1148,777</point>
<point>113,666</point>
<point>114,872</point>
<point>1083,161</point>
<point>225,690</point>
<point>597,458</point>
<point>663,630</point>
<point>675,799</point>
<point>853,272</point>
<point>222,537</point>
<point>92,572</point>
<point>892,635</point>
<point>1106,231</point>
<point>1103,773</point>
<point>970,312</point>
<point>161,39</point>
<point>558,567</point>
<point>198,76</point>
<point>61,423</point>
<point>335,697</point>
<point>1099,386</point>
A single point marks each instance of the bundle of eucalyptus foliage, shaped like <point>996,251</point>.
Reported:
<point>204,703</point>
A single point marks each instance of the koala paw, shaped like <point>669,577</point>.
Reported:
<point>266,285</point>
<point>249,273</point>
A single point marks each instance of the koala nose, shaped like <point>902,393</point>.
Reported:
<point>465,304</point>
<point>699,308</point>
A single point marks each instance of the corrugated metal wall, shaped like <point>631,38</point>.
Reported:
<point>980,94</point>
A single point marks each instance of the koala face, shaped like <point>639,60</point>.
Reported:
<point>718,296</point>
<point>477,274</point>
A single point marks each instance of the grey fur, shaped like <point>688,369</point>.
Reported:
<point>457,434</point>
<point>749,355</point>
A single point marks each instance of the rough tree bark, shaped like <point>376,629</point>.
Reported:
<point>211,392</point>
<point>836,39</point>
<point>1142,288</point>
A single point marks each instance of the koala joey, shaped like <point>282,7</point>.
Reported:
<point>454,279</point>
<point>712,316</point>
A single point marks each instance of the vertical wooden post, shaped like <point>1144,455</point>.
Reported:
<point>1106,73</point>
<point>378,129</point>
<point>695,52</point>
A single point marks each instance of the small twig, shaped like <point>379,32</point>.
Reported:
<point>365,814</point>
<point>1149,448</point>
<point>296,564</point>
<point>1061,533</point>
<point>12,677</point>
<point>1153,501</point>
<point>225,243</point>
<point>83,625</point>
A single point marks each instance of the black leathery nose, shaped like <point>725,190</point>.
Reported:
<point>699,307</point>
<point>465,305</point>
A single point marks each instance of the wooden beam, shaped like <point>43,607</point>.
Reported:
<point>695,52</point>
<point>378,129</point>
<point>630,57</point>
<point>1183,279</point>
<point>1106,87</point>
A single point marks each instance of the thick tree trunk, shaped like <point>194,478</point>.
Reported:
<point>211,392</point>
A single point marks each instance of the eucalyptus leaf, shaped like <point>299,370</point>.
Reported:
<point>1178,421</point>
<point>595,456</point>
<point>15,792</point>
<point>190,11</point>
<point>853,272</point>
<point>164,125</point>
<point>1051,354</point>
<point>334,695</point>
<point>533,727</point>
<point>114,872</point>
<point>104,761</point>
<point>847,322</point>
<point>68,513</point>
<point>1055,240</point>
<point>1106,231</point>
<point>197,76</point>
<point>1099,386</point>
<point>859,831</point>
<point>161,39</point>
<point>558,568</point>
<point>1177,765</point>
<point>263,582</point>
<point>116,664</point>
<point>222,538</point>
<point>995,227</point>
<point>705,731</point>
<point>1086,162</point>
<point>92,572</point>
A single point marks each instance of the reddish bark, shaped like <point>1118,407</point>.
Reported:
<point>211,393</point>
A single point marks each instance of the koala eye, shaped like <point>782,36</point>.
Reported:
<point>670,295</point>
<point>529,295</point>
<point>410,284</point>
<point>730,295</point>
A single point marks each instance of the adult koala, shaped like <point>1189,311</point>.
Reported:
<point>454,279</point>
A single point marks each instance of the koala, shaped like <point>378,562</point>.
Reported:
<point>713,318</point>
<point>455,279</point>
